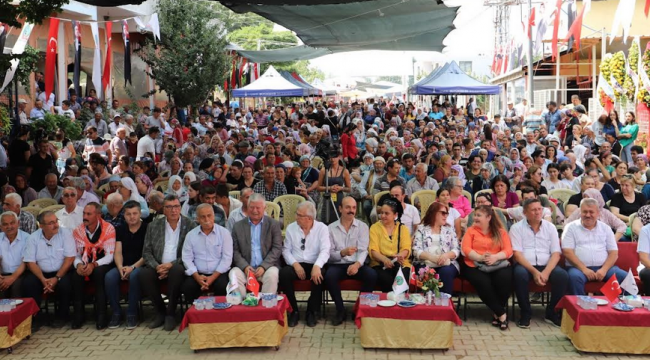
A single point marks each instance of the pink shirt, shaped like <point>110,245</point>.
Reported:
<point>462,205</point>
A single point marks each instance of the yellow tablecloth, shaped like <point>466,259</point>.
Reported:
<point>237,334</point>
<point>607,339</point>
<point>406,334</point>
<point>20,332</point>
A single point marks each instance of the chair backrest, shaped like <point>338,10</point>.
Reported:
<point>165,173</point>
<point>104,187</point>
<point>468,195</point>
<point>273,210</point>
<point>485,191</point>
<point>375,199</point>
<point>289,204</point>
<point>628,258</point>
<point>235,194</point>
<point>42,203</point>
<point>631,220</point>
<point>316,162</point>
<point>562,195</point>
<point>53,208</point>
<point>425,198</point>
<point>162,184</point>
<point>34,210</point>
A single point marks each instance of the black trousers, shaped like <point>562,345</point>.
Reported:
<point>493,288</point>
<point>645,279</point>
<point>33,288</point>
<point>558,279</point>
<point>338,272</point>
<point>192,290</point>
<point>150,285</point>
<point>16,289</point>
<point>288,276</point>
<point>79,283</point>
<point>386,277</point>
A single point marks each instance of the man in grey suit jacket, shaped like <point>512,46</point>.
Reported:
<point>162,252</point>
<point>257,247</point>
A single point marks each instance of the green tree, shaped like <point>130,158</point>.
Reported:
<point>190,59</point>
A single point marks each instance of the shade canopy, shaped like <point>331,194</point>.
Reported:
<point>451,80</point>
<point>301,52</point>
<point>271,84</point>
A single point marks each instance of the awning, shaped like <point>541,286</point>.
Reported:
<point>270,84</point>
<point>451,80</point>
<point>301,52</point>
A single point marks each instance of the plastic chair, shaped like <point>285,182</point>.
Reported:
<point>316,162</point>
<point>468,195</point>
<point>162,184</point>
<point>53,208</point>
<point>562,195</point>
<point>486,191</point>
<point>34,210</point>
<point>235,194</point>
<point>104,188</point>
<point>42,203</point>
<point>375,199</point>
<point>425,198</point>
<point>289,204</point>
<point>635,237</point>
<point>273,210</point>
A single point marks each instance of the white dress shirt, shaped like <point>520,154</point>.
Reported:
<point>410,218</point>
<point>317,245</point>
<point>50,254</point>
<point>171,242</point>
<point>536,247</point>
<point>590,246</point>
<point>206,254</point>
<point>517,213</point>
<point>644,244</point>
<point>358,236</point>
<point>235,216</point>
<point>11,253</point>
<point>87,198</point>
<point>70,220</point>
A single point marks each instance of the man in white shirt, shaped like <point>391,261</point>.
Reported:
<point>306,250</point>
<point>643,249</point>
<point>522,109</point>
<point>411,216</point>
<point>242,212</point>
<point>65,110</point>
<point>12,246</point>
<point>536,247</point>
<point>590,249</point>
<point>52,190</point>
<point>115,125</point>
<point>517,213</point>
<point>147,144</point>
<point>71,216</point>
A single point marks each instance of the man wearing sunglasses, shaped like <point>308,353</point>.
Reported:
<point>71,216</point>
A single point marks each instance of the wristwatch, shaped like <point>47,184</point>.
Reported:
<point>58,279</point>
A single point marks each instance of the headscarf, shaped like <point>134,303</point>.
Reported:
<point>145,179</point>
<point>128,183</point>
<point>181,193</point>
<point>579,151</point>
<point>92,184</point>
<point>644,214</point>
<point>190,175</point>
<point>596,195</point>
<point>461,174</point>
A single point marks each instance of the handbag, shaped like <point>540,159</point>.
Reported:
<point>491,268</point>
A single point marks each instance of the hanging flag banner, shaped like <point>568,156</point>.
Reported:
<point>4,30</point>
<point>97,61</point>
<point>576,29</point>
<point>106,78</point>
<point>556,28</point>
<point>152,25</point>
<point>76,77</point>
<point>127,52</point>
<point>50,56</point>
<point>623,17</point>
<point>19,48</point>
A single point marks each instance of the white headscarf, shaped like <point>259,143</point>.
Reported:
<point>579,151</point>
<point>128,183</point>
<point>170,188</point>
<point>190,175</point>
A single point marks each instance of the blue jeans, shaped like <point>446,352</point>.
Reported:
<point>112,285</point>
<point>447,275</point>
<point>577,279</point>
<point>626,153</point>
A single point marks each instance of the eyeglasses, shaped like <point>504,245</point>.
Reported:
<point>302,246</point>
<point>444,213</point>
<point>69,195</point>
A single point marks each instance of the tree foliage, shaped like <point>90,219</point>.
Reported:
<point>52,122</point>
<point>189,60</point>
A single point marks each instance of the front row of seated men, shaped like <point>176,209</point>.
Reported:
<point>173,255</point>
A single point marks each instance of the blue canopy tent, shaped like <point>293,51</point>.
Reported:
<point>310,89</point>
<point>271,84</point>
<point>451,80</point>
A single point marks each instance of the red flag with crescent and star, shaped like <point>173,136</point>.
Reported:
<point>252,284</point>
<point>50,57</point>
<point>611,289</point>
<point>106,78</point>
<point>412,279</point>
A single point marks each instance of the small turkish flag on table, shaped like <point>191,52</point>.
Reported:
<point>611,289</point>
<point>252,284</point>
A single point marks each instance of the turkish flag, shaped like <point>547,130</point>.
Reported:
<point>106,78</point>
<point>50,57</point>
<point>252,284</point>
<point>412,279</point>
<point>531,22</point>
<point>576,28</point>
<point>556,27</point>
<point>647,7</point>
<point>611,289</point>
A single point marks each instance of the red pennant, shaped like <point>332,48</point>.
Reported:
<point>412,279</point>
<point>576,28</point>
<point>233,79</point>
<point>556,27</point>
<point>647,7</point>
<point>531,22</point>
<point>611,289</point>
<point>252,283</point>
<point>106,78</point>
<point>225,85</point>
<point>50,57</point>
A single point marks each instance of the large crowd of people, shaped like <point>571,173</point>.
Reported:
<point>146,198</point>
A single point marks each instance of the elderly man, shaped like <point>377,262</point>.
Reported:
<point>368,182</point>
<point>270,187</point>
<point>115,125</point>
<point>421,181</point>
<point>12,246</point>
<point>95,240</point>
<point>128,263</point>
<point>52,190</point>
<point>536,247</point>
<point>306,250</point>
<point>383,183</point>
<point>156,200</point>
<point>162,251</point>
<point>207,256</point>
<point>242,212</point>
<point>590,249</point>
<point>257,244</point>
<point>83,197</point>
<point>13,202</point>
<point>348,252</point>
<point>37,112</point>
<point>411,216</point>
<point>99,124</point>
<point>49,254</point>
<point>115,212</point>
<point>118,145</point>
<point>71,216</point>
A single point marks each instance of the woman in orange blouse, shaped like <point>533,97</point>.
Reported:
<point>486,247</point>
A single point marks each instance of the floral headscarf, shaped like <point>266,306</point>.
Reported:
<point>461,174</point>
<point>145,180</point>
<point>596,195</point>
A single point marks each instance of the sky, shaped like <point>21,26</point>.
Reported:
<point>473,36</point>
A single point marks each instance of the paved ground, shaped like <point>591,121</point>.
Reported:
<point>475,339</point>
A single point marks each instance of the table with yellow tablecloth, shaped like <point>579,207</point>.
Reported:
<point>237,326</point>
<point>419,327</point>
<point>16,325</point>
<point>605,329</point>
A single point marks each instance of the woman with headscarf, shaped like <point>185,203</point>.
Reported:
<point>503,166</point>
<point>515,157</point>
<point>90,184</point>
<point>144,185</point>
<point>580,151</point>
<point>129,191</point>
<point>482,182</point>
<point>188,178</point>
<point>175,187</point>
